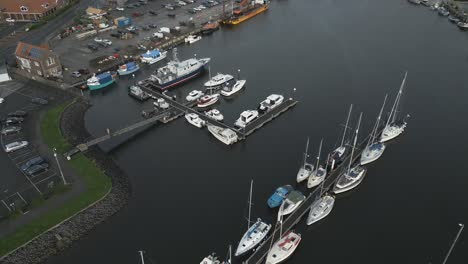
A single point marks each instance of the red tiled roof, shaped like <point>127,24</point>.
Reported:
<point>26,50</point>
<point>33,6</point>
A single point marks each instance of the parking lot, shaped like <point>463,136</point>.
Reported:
<point>75,54</point>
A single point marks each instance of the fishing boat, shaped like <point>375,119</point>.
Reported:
<point>128,68</point>
<point>270,102</point>
<point>100,80</point>
<point>194,95</point>
<point>277,198</point>
<point>215,114</point>
<point>225,135</point>
<point>320,208</point>
<point>318,175</point>
<point>394,126</point>
<point>337,155</point>
<point>283,248</point>
<point>374,149</point>
<point>255,233</point>
<point>352,176</point>
<point>218,80</point>
<point>177,72</point>
<point>192,39</point>
<point>207,100</point>
<point>245,118</point>
<point>306,169</point>
<point>195,120</point>
<point>241,14</point>
<point>153,56</point>
<point>136,92</point>
<point>231,88</point>
<point>292,201</point>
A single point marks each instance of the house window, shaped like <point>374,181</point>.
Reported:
<point>24,9</point>
<point>39,72</point>
<point>50,61</point>
<point>37,64</point>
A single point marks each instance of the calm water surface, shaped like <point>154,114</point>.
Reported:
<point>190,191</point>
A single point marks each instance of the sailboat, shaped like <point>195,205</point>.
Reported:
<point>374,149</point>
<point>318,175</point>
<point>394,127</point>
<point>336,156</point>
<point>255,233</point>
<point>321,207</point>
<point>353,176</point>
<point>306,168</point>
<point>213,259</point>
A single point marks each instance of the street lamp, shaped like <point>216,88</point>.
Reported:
<point>60,168</point>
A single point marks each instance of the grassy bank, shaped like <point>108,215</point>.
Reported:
<point>97,185</point>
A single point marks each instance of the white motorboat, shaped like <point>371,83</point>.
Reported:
<point>218,80</point>
<point>318,175</point>
<point>352,176</point>
<point>207,100</point>
<point>153,56</point>
<point>213,259</point>
<point>195,120</point>
<point>270,102</point>
<point>292,201</point>
<point>336,156</point>
<point>194,95</point>
<point>192,39</point>
<point>225,135</point>
<point>230,89</point>
<point>245,118</point>
<point>320,208</point>
<point>255,233</point>
<point>215,114</point>
<point>283,248</point>
<point>374,149</point>
<point>306,169</point>
<point>394,127</point>
<point>161,103</point>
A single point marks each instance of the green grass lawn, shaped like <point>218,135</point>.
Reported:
<point>97,185</point>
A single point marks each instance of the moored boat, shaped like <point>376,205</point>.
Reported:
<point>192,39</point>
<point>195,120</point>
<point>240,15</point>
<point>215,114</point>
<point>336,156</point>
<point>245,118</point>
<point>153,56</point>
<point>136,92</point>
<point>292,201</point>
<point>306,169</point>
<point>270,102</point>
<point>231,88</point>
<point>194,95</point>
<point>318,175</point>
<point>320,208</point>
<point>100,80</point>
<point>128,68</point>
<point>277,198</point>
<point>374,149</point>
<point>283,248</point>
<point>225,135</point>
<point>462,25</point>
<point>207,100</point>
<point>218,80</point>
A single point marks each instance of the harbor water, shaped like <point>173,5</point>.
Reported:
<point>190,191</point>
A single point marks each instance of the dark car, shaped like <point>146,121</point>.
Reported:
<point>18,113</point>
<point>37,169</point>
<point>146,28</point>
<point>10,130</point>
<point>153,25</point>
<point>92,47</point>
<point>115,35</point>
<point>31,162</point>
<point>130,6</point>
<point>83,71</point>
<point>39,100</point>
<point>137,14</point>
<point>103,44</point>
<point>13,121</point>
<point>152,12</point>
<point>192,11</point>
<point>171,15</point>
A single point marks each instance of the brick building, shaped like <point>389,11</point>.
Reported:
<point>38,60</point>
<point>29,10</point>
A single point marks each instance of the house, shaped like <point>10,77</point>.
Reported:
<point>29,10</point>
<point>38,60</point>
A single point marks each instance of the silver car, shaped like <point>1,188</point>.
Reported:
<point>10,130</point>
<point>15,146</point>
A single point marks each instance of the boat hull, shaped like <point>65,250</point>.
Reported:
<point>369,155</point>
<point>240,19</point>
<point>315,179</point>
<point>280,251</point>
<point>344,188</point>
<point>100,86</point>
<point>240,84</point>
<point>320,209</point>
<point>304,173</point>
<point>181,79</point>
<point>248,241</point>
<point>392,132</point>
<point>121,73</point>
<point>214,130</point>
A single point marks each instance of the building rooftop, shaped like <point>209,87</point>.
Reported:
<point>26,50</point>
<point>28,6</point>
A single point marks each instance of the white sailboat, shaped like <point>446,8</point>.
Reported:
<point>352,177</point>
<point>374,149</point>
<point>337,155</point>
<point>321,207</point>
<point>318,175</point>
<point>394,127</point>
<point>306,168</point>
<point>255,233</point>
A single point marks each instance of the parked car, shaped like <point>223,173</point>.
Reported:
<point>181,3</point>
<point>98,40</point>
<point>192,11</point>
<point>169,7</point>
<point>76,74</point>
<point>10,130</point>
<point>115,35</point>
<point>37,169</point>
<point>92,47</point>
<point>13,121</point>
<point>120,8</point>
<point>83,71</point>
<point>18,113</point>
<point>171,15</point>
<point>108,42</point>
<point>153,25</point>
<point>131,28</point>
<point>152,12</point>
<point>146,28</point>
<point>137,14</point>
<point>39,100</point>
<point>10,20</point>
<point>130,6</point>
<point>31,162</point>
<point>14,146</point>
<point>190,1</point>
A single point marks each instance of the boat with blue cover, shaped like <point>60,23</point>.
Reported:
<point>276,199</point>
<point>101,80</point>
<point>153,56</point>
<point>128,68</point>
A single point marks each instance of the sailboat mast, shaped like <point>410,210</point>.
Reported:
<point>391,117</point>
<point>373,135</point>
<point>305,153</point>
<point>318,156</point>
<point>346,126</point>
<point>250,203</point>
<point>399,97</point>
<point>141,256</point>
<point>354,143</point>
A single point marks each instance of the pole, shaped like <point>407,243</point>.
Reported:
<point>250,203</point>
<point>238,74</point>
<point>141,256</point>
<point>454,242</point>
<point>59,167</point>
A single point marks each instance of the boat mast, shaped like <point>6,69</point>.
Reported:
<point>399,97</point>
<point>354,143</point>
<point>454,242</point>
<point>305,153</point>
<point>346,126</point>
<point>373,135</point>
<point>391,117</point>
<point>318,156</point>
<point>250,203</point>
<point>141,256</point>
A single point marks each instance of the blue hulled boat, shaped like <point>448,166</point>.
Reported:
<point>128,68</point>
<point>277,198</point>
